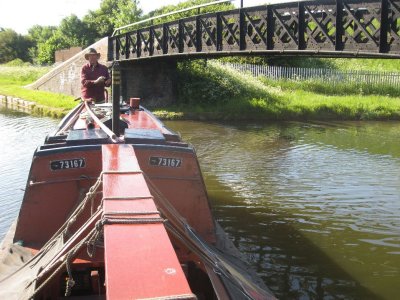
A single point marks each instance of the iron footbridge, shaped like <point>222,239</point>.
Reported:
<point>325,28</point>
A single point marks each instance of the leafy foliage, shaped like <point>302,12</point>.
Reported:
<point>40,33</point>
<point>17,63</point>
<point>187,4</point>
<point>214,91</point>
<point>47,49</point>
<point>200,84</point>
<point>71,32</point>
<point>127,12</point>
<point>112,14</point>
<point>13,45</point>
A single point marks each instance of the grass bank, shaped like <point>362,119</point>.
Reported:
<point>211,91</point>
<point>14,78</point>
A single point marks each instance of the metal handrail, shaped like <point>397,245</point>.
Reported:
<point>170,14</point>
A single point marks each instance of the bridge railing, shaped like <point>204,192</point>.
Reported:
<point>326,27</point>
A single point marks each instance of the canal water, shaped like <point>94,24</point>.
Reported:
<point>314,206</point>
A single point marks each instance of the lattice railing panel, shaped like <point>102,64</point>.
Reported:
<point>173,36</point>
<point>394,26</point>
<point>361,27</point>
<point>208,27</point>
<point>320,26</point>
<point>157,33</point>
<point>145,42</point>
<point>286,27</point>
<point>189,35</point>
<point>230,31</point>
<point>255,28</point>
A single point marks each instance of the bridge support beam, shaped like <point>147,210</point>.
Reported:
<point>154,81</point>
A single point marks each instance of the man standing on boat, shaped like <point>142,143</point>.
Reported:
<point>94,78</point>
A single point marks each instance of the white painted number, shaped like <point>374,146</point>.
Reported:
<point>68,164</point>
<point>166,162</point>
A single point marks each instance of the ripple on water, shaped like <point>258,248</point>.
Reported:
<point>20,135</point>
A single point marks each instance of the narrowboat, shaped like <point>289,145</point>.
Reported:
<point>115,207</point>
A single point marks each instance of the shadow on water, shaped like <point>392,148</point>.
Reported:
<point>313,205</point>
<point>291,265</point>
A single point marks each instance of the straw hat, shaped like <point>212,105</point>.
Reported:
<point>91,51</point>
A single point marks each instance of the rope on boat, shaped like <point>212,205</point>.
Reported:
<point>65,262</point>
<point>90,196</point>
<point>64,231</point>
<point>91,244</point>
<point>70,281</point>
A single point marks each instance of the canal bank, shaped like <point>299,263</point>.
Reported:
<point>260,111</point>
<point>210,91</point>
<point>31,107</point>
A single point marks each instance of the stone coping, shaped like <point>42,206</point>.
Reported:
<point>31,107</point>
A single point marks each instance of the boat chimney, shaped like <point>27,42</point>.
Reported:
<point>116,95</point>
<point>134,103</point>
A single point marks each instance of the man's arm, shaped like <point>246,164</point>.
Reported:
<point>84,78</point>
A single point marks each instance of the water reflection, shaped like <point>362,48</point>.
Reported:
<point>314,205</point>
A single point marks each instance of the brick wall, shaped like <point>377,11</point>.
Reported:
<point>65,54</point>
<point>151,80</point>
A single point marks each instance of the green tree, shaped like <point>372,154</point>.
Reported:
<point>39,35</point>
<point>71,32</point>
<point>112,14</point>
<point>74,32</point>
<point>47,49</point>
<point>187,4</point>
<point>13,46</point>
<point>126,13</point>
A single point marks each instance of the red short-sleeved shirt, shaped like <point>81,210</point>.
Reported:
<point>89,74</point>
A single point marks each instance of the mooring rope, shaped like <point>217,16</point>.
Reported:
<point>90,196</point>
<point>65,262</point>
